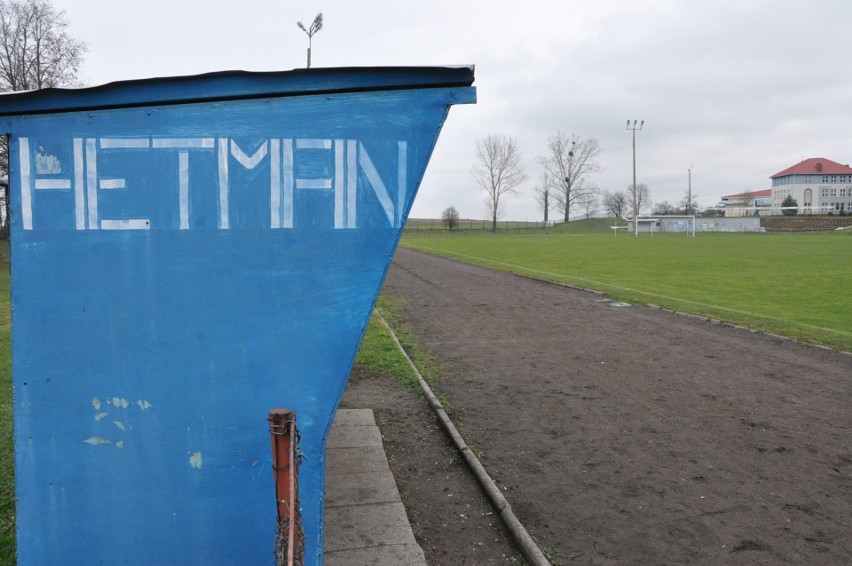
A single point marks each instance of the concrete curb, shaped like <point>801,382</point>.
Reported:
<point>522,538</point>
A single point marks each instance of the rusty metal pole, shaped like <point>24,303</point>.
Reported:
<point>289,541</point>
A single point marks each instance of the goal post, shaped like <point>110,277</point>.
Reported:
<point>664,221</point>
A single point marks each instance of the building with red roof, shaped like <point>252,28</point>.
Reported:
<point>817,184</point>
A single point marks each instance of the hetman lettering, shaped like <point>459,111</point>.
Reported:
<point>90,172</point>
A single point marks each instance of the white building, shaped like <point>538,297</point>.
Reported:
<point>754,203</point>
<point>819,185</point>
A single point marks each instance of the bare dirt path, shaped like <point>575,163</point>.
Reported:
<point>634,435</point>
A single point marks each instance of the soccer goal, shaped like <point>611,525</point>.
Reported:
<point>664,223</point>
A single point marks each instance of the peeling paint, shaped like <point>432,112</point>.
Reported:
<point>99,416</point>
<point>119,444</point>
<point>143,404</point>
<point>196,460</point>
<point>119,425</point>
<point>95,440</point>
<point>96,403</point>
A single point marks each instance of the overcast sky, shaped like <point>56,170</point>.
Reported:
<point>738,89</point>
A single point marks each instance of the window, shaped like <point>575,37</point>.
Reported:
<point>823,192</point>
<point>807,178</point>
<point>834,178</point>
<point>834,192</point>
<point>825,178</point>
<point>843,192</point>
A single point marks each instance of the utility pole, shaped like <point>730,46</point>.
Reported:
<point>635,188</point>
<point>315,27</point>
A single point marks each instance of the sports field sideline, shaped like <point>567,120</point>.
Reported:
<point>795,285</point>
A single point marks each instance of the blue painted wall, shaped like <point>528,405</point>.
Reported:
<point>178,271</point>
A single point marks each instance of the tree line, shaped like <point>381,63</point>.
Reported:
<point>564,186</point>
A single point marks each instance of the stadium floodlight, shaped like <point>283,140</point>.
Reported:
<point>315,27</point>
<point>634,188</point>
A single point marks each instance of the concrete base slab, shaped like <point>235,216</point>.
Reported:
<point>405,555</point>
<point>354,436</point>
<point>356,459</point>
<point>365,526</point>
<point>361,489</point>
<point>365,520</point>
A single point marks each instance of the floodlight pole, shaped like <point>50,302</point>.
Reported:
<point>315,27</point>
<point>689,191</point>
<point>635,188</point>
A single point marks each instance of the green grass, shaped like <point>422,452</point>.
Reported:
<point>379,353</point>
<point>796,285</point>
<point>7,458</point>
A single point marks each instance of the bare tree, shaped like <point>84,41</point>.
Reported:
<point>688,204</point>
<point>498,172</point>
<point>543,196</point>
<point>615,203</point>
<point>664,208</point>
<point>35,52</point>
<point>569,161</point>
<point>450,217</point>
<point>588,203</point>
<point>642,200</point>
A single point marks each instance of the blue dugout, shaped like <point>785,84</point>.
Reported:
<point>187,254</point>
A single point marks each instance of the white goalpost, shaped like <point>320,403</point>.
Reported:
<point>652,221</point>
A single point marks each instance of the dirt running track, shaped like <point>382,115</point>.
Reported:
<point>634,435</point>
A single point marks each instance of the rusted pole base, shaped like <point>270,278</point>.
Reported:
<point>289,539</point>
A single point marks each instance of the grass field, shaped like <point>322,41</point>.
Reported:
<point>433,227</point>
<point>796,285</point>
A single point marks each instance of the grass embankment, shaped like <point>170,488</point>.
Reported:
<point>795,285</point>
